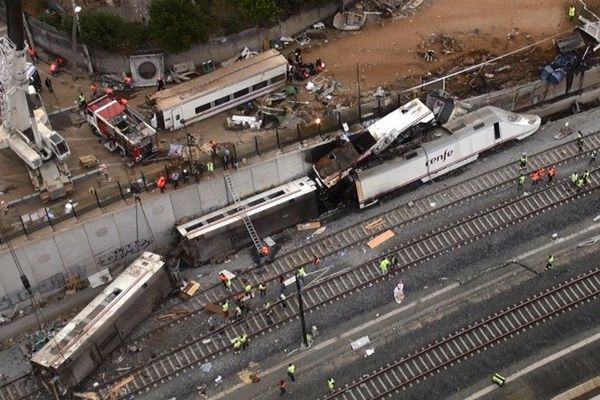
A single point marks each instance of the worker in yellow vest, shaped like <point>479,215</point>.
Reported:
<point>572,12</point>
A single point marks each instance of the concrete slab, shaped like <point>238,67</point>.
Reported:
<point>213,194</point>
<point>186,201</point>
<point>242,180</point>
<point>265,175</point>
<point>79,255</point>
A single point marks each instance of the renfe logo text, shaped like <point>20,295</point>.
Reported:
<point>440,158</point>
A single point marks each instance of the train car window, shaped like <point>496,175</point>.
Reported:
<point>410,155</point>
<point>241,93</point>
<point>256,202</point>
<point>202,108</point>
<point>222,100</point>
<point>278,78</point>
<point>259,86</point>
<point>496,130</point>
<point>276,194</point>
<point>478,126</point>
<point>214,219</point>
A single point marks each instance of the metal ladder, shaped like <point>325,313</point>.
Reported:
<point>242,209</point>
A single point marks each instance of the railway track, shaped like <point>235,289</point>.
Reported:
<point>472,339</point>
<point>440,241</point>
<point>287,263</point>
<point>23,388</point>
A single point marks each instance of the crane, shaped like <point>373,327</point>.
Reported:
<point>25,125</point>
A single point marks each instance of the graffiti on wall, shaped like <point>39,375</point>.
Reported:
<point>121,253</point>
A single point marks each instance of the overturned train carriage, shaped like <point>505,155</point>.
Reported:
<point>271,211</point>
<point>101,326</point>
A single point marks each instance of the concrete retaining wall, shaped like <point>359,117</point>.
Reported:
<point>109,241</point>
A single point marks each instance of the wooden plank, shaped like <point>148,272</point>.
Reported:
<point>375,224</point>
<point>377,240</point>
<point>191,288</point>
<point>308,226</point>
<point>215,309</point>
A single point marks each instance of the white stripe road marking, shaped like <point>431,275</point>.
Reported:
<point>536,365</point>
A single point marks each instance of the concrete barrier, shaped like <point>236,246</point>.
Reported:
<point>115,238</point>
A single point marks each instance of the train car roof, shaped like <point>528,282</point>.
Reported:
<point>400,119</point>
<point>255,204</point>
<point>485,115</point>
<point>222,77</point>
<point>98,312</point>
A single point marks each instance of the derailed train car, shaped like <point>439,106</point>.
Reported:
<point>458,143</point>
<point>75,351</point>
<point>223,231</point>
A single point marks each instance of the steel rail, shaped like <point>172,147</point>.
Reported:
<point>406,213</point>
<point>340,285</point>
<point>472,339</point>
<point>22,388</point>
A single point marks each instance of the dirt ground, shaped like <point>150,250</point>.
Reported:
<point>387,51</point>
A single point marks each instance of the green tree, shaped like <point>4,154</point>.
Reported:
<point>261,12</point>
<point>177,24</point>
<point>107,31</point>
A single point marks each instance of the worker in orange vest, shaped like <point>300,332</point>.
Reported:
<point>264,250</point>
<point>551,173</point>
<point>108,91</point>
<point>161,182</point>
<point>542,172</point>
<point>94,90</point>
<point>535,177</point>
<point>54,69</point>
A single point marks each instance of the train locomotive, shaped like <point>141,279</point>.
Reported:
<point>430,151</point>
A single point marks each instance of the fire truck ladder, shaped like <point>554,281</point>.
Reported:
<point>242,209</point>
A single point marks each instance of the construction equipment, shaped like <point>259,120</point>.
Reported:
<point>25,126</point>
<point>122,129</point>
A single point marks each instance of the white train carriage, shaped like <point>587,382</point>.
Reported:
<point>102,325</point>
<point>218,91</point>
<point>460,142</point>
<point>271,211</point>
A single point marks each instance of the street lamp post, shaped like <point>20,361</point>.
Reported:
<point>76,11</point>
<point>189,144</point>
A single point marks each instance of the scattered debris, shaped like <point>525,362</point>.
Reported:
<point>87,395</point>
<point>244,54</point>
<point>241,122</point>
<point>218,379</point>
<point>115,390</point>
<point>375,224</point>
<point>308,226</point>
<point>100,278</point>
<point>377,240</point>
<point>369,352</point>
<point>358,343</point>
<point>206,367</point>
<point>88,161</point>
<point>173,314</point>
<point>319,231</point>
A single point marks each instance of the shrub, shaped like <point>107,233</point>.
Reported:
<point>177,24</point>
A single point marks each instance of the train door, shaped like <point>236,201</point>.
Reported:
<point>177,118</point>
<point>497,135</point>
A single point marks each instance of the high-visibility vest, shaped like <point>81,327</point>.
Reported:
<point>301,272</point>
<point>291,369</point>
<point>384,264</point>
<point>81,98</point>
<point>574,177</point>
<point>524,158</point>
<point>237,344</point>
<point>228,283</point>
<point>238,310</point>
<point>248,288</point>
<point>586,175</point>
<point>261,287</point>
<point>267,306</point>
<point>243,338</point>
<point>594,153</point>
<point>225,307</point>
<point>550,260</point>
<point>210,167</point>
<point>331,383</point>
<point>579,182</point>
<point>522,179</point>
<point>571,11</point>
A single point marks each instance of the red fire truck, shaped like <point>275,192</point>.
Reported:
<point>122,129</point>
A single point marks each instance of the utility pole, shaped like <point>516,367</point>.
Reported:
<point>301,308</point>
<point>76,10</point>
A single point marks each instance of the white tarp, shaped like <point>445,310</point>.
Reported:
<point>399,292</point>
